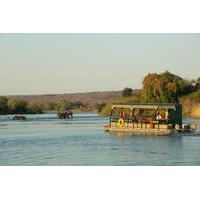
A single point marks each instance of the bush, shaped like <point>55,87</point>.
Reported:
<point>62,105</point>
<point>99,107</point>
<point>136,98</point>
<point>127,92</point>
<point>190,101</point>
<point>17,106</point>
<point>34,108</point>
<point>195,113</point>
<point>3,105</point>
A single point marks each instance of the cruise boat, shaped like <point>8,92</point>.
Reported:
<point>148,119</point>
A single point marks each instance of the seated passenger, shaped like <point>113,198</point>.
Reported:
<point>159,116</point>
<point>122,114</point>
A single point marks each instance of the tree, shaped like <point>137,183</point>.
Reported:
<point>127,92</point>
<point>49,106</point>
<point>165,87</point>
<point>17,106</point>
<point>198,83</point>
<point>3,105</point>
<point>34,108</point>
<point>62,105</point>
<point>99,107</point>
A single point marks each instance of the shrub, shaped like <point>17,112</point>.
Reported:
<point>136,98</point>
<point>195,113</point>
<point>17,106</point>
<point>34,108</point>
<point>3,105</point>
<point>127,92</point>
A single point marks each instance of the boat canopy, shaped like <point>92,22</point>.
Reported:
<point>156,106</point>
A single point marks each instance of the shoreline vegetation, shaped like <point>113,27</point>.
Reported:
<point>20,106</point>
<point>38,104</point>
<point>156,88</point>
<point>164,88</point>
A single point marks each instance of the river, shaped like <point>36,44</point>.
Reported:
<point>44,140</point>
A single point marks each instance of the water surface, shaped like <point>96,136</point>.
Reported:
<point>46,140</point>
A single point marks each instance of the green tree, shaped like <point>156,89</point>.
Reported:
<point>127,92</point>
<point>35,108</point>
<point>17,106</point>
<point>62,105</point>
<point>165,87</point>
<point>49,106</point>
<point>3,105</point>
<point>99,107</point>
<point>198,83</point>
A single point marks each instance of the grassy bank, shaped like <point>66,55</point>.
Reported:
<point>196,112</point>
<point>191,104</point>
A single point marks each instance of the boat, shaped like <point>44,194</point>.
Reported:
<point>148,119</point>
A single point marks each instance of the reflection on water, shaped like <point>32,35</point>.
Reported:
<point>46,140</point>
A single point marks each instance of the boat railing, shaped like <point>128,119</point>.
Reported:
<point>143,121</point>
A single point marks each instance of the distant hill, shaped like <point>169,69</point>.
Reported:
<point>87,97</point>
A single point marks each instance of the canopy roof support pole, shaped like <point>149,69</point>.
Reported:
<point>133,116</point>
<point>111,115</point>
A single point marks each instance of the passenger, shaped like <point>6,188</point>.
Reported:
<point>159,116</point>
<point>122,114</point>
<point>131,117</point>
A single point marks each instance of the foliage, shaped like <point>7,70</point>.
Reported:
<point>99,107</point>
<point>136,98</point>
<point>165,87</point>
<point>127,92</point>
<point>198,83</point>
<point>17,106</point>
<point>77,105</point>
<point>198,80</point>
<point>64,105</point>
<point>3,105</point>
<point>48,106</point>
<point>34,108</point>
<point>190,101</point>
<point>162,88</point>
<point>195,113</point>
<point>194,96</point>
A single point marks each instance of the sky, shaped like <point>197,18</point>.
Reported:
<point>70,63</point>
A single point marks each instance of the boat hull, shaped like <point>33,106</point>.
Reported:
<point>140,131</point>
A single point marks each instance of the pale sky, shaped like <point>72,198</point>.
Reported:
<point>63,63</point>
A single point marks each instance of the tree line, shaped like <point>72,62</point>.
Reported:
<point>19,106</point>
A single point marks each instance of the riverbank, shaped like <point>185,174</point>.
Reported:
<point>190,108</point>
<point>191,104</point>
<point>20,106</point>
